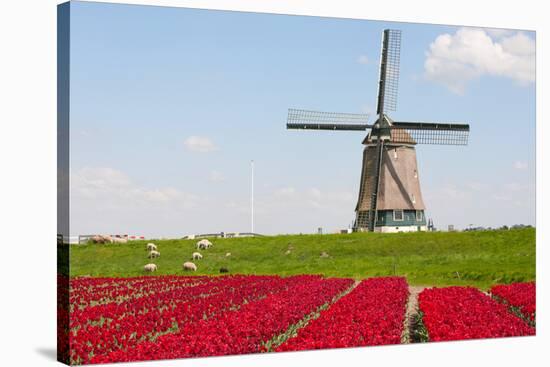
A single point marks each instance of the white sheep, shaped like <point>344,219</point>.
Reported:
<point>151,247</point>
<point>197,256</point>
<point>97,239</point>
<point>189,266</point>
<point>203,244</point>
<point>228,254</point>
<point>153,254</point>
<point>119,240</point>
<point>150,267</point>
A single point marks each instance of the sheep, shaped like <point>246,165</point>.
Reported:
<point>150,267</point>
<point>153,254</point>
<point>324,254</point>
<point>224,270</point>
<point>203,244</point>
<point>97,239</point>
<point>119,240</point>
<point>228,254</point>
<point>189,266</point>
<point>197,256</point>
<point>288,252</point>
<point>151,247</point>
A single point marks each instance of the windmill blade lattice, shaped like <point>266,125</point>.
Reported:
<point>389,71</point>
<point>318,120</point>
<point>440,133</point>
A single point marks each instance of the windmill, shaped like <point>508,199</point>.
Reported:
<point>389,199</point>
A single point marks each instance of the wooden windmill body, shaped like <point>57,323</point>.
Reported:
<point>399,204</point>
<point>390,198</point>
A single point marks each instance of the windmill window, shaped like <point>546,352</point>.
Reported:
<point>395,153</point>
<point>398,215</point>
<point>418,215</point>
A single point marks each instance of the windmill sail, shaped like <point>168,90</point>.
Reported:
<point>387,100</point>
<point>438,133</point>
<point>317,120</point>
<point>389,71</point>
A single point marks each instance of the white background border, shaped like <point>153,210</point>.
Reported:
<point>28,181</point>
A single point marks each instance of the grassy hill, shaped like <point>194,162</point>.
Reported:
<point>441,258</point>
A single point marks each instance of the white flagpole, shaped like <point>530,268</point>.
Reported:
<point>252,197</point>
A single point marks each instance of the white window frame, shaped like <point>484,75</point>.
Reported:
<point>402,215</point>
<point>421,215</point>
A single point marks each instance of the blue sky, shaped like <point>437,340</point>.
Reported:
<point>169,105</point>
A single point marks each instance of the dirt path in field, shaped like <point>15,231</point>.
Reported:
<point>412,311</point>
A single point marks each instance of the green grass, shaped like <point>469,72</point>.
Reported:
<point>441,258</point>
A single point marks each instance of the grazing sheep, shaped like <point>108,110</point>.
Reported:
<point>197,256</point>
<point>228,254</point>
<point>203,244</point>
<point>151,247</point>
<point>153,254</point>
<point>97,239</point>
<point>324,254</point>
<point>224,270</point>
<point>150,267</point>
<point>119,240</point>
<point>189,266</point>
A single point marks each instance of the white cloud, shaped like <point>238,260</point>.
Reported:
<point>476,186</point>
<point>216,176</point>
<point>285,192</point>
<point>482,204</point>
<point>311,197</point>
<point>314,192</point>
<point>106,200</point>
<point>514,187</point>
<point>199,144</point>
<point>363,59</point>
<point>511,192</point>
<point>520,165</point>
<point>497,33</point>
<point>116,188</point>
<point>470,53</point>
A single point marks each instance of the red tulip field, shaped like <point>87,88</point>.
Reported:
<point>520,296</point>
<point>156,317</point>
<point>458,313</point>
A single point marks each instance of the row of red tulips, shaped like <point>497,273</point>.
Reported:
<point>521,296</point>
<point>86,292</point>
<point>242,331</point>
<point>149,298</point>
<point>150,316</point>
<point>372,314</point>
<point>458,313</point>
